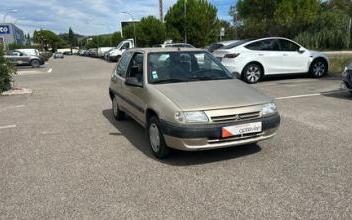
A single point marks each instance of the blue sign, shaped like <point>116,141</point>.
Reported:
<point>4,29</point>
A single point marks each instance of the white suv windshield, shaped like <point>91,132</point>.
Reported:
<point>172,67</point>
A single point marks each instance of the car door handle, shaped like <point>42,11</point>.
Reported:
<point>285,55</point>
<point>260,54</point>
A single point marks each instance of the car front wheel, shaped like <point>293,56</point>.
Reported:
<point>318,68</point>
<point>252,73</point>
<point>156,139</point>
<point>118,114</point>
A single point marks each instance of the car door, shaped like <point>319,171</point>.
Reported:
<point>135,95</point>
<point>268,53</point>
<point>294,60</point>
<point>118,79</point>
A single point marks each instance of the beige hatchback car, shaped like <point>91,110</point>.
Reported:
<point>187,100</point>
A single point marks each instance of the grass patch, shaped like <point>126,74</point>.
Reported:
<point>338,63</point>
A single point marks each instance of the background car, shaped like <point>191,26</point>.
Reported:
<point>347,78</point>
<point>20,58</point>
<point>253,59</point>
<point>215,46</point>
<point>58,55</point>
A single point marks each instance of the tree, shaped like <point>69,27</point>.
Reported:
<point>150,31</point>
<point>72,40</point>
<point>48,39</point>
<point>194,19</point>
<point>7,71</point>
<point>116,38</point>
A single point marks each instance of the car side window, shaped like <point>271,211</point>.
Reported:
<point>264,45</point>
<point>135,68</point>
<point>288,45</point>
<point>125,46</point>
<point>122,65</point>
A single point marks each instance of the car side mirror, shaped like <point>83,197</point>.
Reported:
<point>133,81</point>
<point>301,50</point>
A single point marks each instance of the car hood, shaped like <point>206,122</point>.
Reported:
<point>216,94</point>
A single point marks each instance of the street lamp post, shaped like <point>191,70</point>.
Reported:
<point>9,12</point>
<point>134,25</point>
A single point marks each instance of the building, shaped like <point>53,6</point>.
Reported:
<point>127,23</point>
<point>10,33</point>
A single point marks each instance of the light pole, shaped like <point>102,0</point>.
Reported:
<point>185,14</point>
<point>134,25</point>
<point>9,12</point>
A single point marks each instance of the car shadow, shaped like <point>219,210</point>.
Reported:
<point>339,94</point>
<point>297,76</point>
<point>135,134</point>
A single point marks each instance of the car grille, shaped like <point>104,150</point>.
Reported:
<point>235,138</point>
<point>236,117</point>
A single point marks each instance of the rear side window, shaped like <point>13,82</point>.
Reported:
<point>264,45</point>
<point>288,45</point>
<point>122,65</point>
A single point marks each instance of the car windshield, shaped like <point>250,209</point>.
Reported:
<point>172,67</point>
<point>235,44</point>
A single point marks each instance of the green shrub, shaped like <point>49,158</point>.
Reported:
<point>7,71</point>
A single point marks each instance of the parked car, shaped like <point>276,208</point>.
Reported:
<point>187,100</point>
<point>179,45</point>
<point>20,58</point>
<point>102,50</point>
<point>115,54</point>
<point>347,78</point>
<point>58,55</point>
<point>215,46</point>
<point>253,59</point>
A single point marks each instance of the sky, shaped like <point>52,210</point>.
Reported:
<point>87,17</point>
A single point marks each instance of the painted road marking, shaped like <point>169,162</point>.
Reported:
<point>7,126</point>
<point>12,107</point>
<point>50,70</point>
<point>310,95</point>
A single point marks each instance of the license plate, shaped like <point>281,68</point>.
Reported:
<point>241,129</point>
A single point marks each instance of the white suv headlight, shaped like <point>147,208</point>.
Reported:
<point>344,73</point>
<point>269,109</point>
<point>191,117</point>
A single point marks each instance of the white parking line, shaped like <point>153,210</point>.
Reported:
<point>12,107</point>
<point>7,126</point>
<point>50,70</point>
<point>309,95</point>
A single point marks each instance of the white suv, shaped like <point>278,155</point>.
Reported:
<point>252,59</point>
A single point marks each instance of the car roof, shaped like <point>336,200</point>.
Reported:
<point>168,49</point>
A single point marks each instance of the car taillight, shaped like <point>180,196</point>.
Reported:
<point>231,55</point>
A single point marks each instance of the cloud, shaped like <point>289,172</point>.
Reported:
<point>87,16</point>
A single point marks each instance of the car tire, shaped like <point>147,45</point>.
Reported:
<point>156,140</point>
<point>252,73</point>
<point>117,113</point>
<point>318,68</point>
<point>35,63</point>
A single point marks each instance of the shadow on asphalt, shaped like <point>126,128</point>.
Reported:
<point>347,95</point>
<point>297,76</point>
<point>136,136</point>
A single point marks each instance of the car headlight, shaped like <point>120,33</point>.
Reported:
<point>191,117</point>
<point>269,109</point>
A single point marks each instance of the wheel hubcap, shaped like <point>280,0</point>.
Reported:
<point>253,74</point>
<point>154,137</point>
<point>114,107</point>
<point>319,69</point>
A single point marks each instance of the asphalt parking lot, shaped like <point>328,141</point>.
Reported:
<point>63,156</point>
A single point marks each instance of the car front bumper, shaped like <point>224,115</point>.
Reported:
<point>203,137</point>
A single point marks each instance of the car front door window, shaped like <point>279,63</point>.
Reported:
<point>122,65</point>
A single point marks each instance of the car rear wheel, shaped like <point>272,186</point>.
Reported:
<point>318,68</point>
<point>252,73</point>
<point>35,63</point>
<point>118,114</point>
<point>156,140</point>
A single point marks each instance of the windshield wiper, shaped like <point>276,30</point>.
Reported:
<point>168,81</point>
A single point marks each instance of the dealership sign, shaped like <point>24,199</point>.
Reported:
<point>4,29</point>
